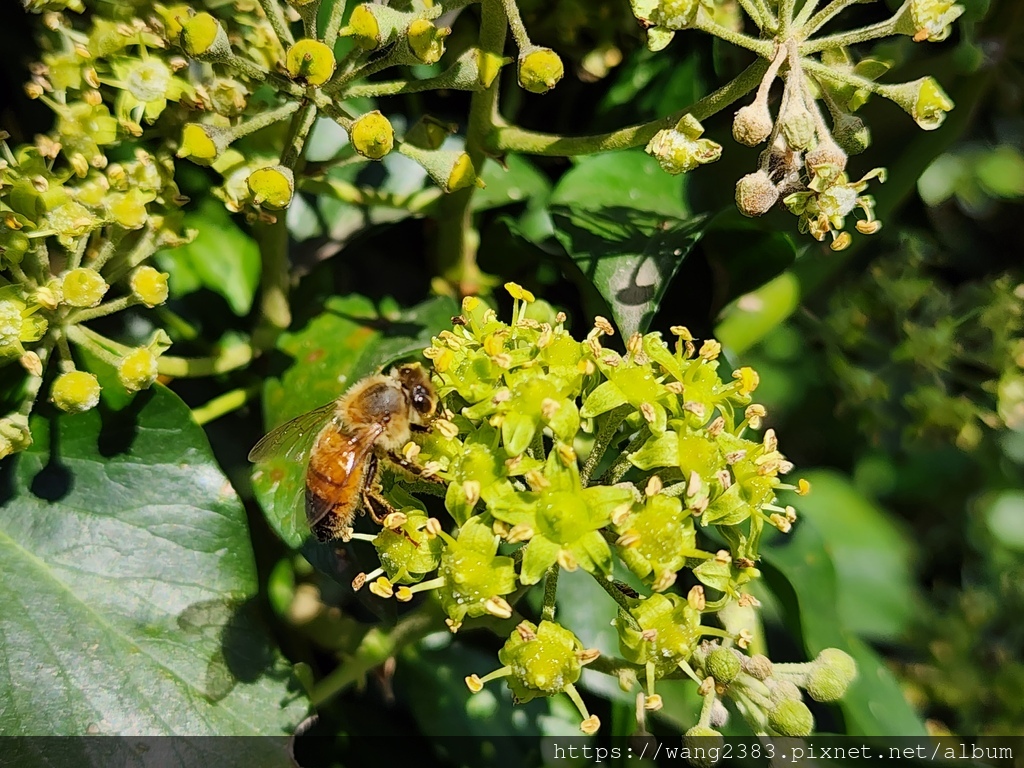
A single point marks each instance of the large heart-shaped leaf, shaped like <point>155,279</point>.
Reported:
<point>349,340</point>
<point>629,255</point>
<point>127,583</point>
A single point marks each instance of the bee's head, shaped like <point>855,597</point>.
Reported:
<point>418,389</point>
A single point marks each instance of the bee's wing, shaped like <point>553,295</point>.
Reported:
<point>352,459</point>
<point>294,438</point>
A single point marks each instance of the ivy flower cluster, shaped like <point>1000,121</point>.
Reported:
<point>74,241</point>
<point>307,80</point>
<point>531,415</point>
<point>804,164</point>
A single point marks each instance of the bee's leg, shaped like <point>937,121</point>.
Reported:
<point>419,427</point>
<point>412,468</point>
<point>372,501</point>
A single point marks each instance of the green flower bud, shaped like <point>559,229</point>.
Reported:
<point>203,37</point>
<point>408,553</point>
<point>137,370</point>
<point>758,666</point>
<point>174,20</point>
<point>129,209</point>
<point>310,62</point>
<point>929,20</point>
<point>14,435</point>
<point>923,99</point>
<point>372,26</point>
<point>426,41</point>
<point>75,391</point>
<point>839,661</point>
<point>669,632</point>
<point>752,124</point>
<point>488,66</point>
<point>149,286</point>
<point>826,684</point>
<point>791,718</point>
<point>798,127</point>
<point>272,187</point>
<point>540,69</point>
<point>680,149</point>
<point>723,665</point>
<point>473,572</point>
<point>703,744</point>
<point>14,246</point>
<point>543,659</point>
<point>675,14</point>
<point>202,144</point>
<point>18,322</point>
<point>83,287</point>
<point>826,155</point>
<point>450,169</point>
<point>756,194</point>
<point>850,133</point>
<point>372,135</point>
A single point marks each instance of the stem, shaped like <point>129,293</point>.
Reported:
<point>227,359</point>
<point>822,17</point>
<point>277,21</point>
<point>786,16</point>
<point>762,48</point>
<point>622,464</point>
<point>515,22</point>
<point>457,240</point>
<point>297,133</point>
<point>224,404</point>
<point>264,119</point>
<point>76,256</point>
<point>91,313</point>
<point>821,72</point>
<point>143,249</point>
<point>604,437</point>
<point>248,68</point>
<point>875,31</point>
<point>96,344</point>
<point>337,10</point>
<point>512,139</point>
<point>275,314</point>
<point>805,13</point>
<point>550,591</point>
<point>376,648</point>
<point>760,13</point>
<point>619,598</point>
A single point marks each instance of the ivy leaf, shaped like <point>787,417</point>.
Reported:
<point>222,258</point>
<point>800,572</point>
<point>873,557</point>
<point>127,583</point>
<point>631,178</point>
<point>629,255</point>
<point>350,339</point>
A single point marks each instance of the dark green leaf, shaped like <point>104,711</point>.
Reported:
<point>629,255</point>
<point>126,585</point>
<point>221,258</point>
<point>873,557</point>
<point>631,179</point>
<point>517,182</point>
<point>800,573</point>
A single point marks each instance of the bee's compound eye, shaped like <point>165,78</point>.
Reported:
<point>421,399</point>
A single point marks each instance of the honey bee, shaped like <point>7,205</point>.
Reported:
<point>369,423</point>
